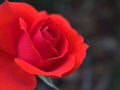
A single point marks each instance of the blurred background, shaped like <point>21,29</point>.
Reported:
<point>99,22</point>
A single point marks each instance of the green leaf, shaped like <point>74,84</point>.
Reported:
<point>49,82</point>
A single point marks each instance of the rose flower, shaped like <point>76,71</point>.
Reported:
<point>36,43</point>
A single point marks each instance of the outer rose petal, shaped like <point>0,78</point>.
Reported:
<point>28,13</point>
<point>79,54</point>
<point>25,11</point>
<point>78,47</point>
<point>12,76</point>
<point>42,16</point>
<point>58,72</point>
<point>9,28</point>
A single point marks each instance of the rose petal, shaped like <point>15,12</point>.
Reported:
<point>60,20</point>
<point>66,28</point>
<point>28,13</point>
<point>9,28</point>
<point>25,11</point>
<point>25,47</point>
<point>78,47</point>
<point>46,48</point>
<point>12,76</point>
<point>51,33</point>
<point>26,50</point>
<point>42,16</point>
<point>79,53</point>
<point>50,64</point>
<point>62,45</point>
<point>66,66</point>
<point>54,63</point>
<point>43,46</point>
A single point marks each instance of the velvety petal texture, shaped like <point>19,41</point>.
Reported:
<point>35,43</point>
<point>9,28</point>
<point>11,75</point>
<point>56,73</point>
<point>25,11</point>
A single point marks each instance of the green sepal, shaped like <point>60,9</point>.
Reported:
<point>49,82</point>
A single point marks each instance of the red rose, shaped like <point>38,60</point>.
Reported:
<point>35,43</point>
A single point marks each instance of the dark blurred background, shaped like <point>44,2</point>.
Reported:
<point>99,22</point>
